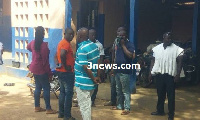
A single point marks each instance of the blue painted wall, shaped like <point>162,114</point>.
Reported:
<point>6,33</point>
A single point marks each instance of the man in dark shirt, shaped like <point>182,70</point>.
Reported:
<point>124,51</point>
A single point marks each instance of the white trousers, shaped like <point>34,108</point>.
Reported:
<point>84,102</point>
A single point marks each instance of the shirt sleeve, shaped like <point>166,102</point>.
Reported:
<point>180,51</point>
<point>82,57</point>
<point>29,46</point>
<point>65,46</point>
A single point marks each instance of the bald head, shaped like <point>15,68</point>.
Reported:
<point>92,35</point>
<point>82,35</point>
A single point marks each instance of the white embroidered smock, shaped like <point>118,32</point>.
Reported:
<point>165,59</point>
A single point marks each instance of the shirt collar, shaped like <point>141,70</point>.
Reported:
<point>84,42</point>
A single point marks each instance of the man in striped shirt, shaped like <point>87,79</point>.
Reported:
<point>85,78</point>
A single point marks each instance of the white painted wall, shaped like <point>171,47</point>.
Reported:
<point>33,13</point>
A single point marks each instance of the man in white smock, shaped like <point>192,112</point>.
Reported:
<point>166,66</point>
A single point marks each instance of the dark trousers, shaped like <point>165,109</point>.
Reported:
<point>113,89</point>
<point>165,84</point>
<point>42,82</point>
<point>94,94</point>
<point>66,81</point>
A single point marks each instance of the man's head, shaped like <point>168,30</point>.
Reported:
<point>123,35</point>
<point>167,39</point>
<point>121,28</point>
<point>82,35</point>
<point>69,34</point>
<point>92,35</point>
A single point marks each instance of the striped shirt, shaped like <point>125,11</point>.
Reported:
<point>87,52</point>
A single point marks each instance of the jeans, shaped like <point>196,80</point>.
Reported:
<point>94,94</point>
<point>113,89</point>
<point>123,90</point>
<point>42,82</point>
<point>66,81</point>
<point>132,82</point>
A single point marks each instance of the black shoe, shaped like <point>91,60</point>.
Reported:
<point>71,118</point>
<point>60,116</point>
<point>170,118</point>
<point>93,105</point>
<point>158,113</point>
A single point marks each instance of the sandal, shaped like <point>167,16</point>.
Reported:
<point>39,109</point>
<point>125,112</point>
<point>114,108</point>
<point>50,111</point>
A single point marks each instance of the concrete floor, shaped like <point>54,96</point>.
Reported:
<point>17,104</point>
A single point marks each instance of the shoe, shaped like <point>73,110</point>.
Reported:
<point>60,116</point>
<point>50,111</point>
<point>157,113</point>
<point>109,104</point>
<point>93,105</point>
<point>170,118</point>
<point>39,109</point>
<point>125,112</point>
<point>71,118</point>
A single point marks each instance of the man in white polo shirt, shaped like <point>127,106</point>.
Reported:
<point>92,37</point>
<point>1,52</point>
<point>166,66</point>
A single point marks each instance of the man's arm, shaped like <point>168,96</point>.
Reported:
<point>63,59</point>
<point>151,66</point>
<point>127,52</point>
<point>179,67</point>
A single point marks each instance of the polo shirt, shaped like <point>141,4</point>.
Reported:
<point>64,44</point>
<point>165,59</point>
<point>121,58</point>
<point>87,52</point>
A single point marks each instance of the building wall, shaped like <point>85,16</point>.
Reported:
<point>156,18</point>
<point>75,9</point>
<point>26,16</point>
<point>182,25</point>
<point>153,19</point>
<point>114,17</point>
<point>5,26</point>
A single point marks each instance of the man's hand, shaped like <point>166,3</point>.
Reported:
<point>111,72</point>
<point>122,42</point>
<point>176,78</point>
<point>96,80</point>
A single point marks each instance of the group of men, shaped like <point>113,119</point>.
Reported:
<point>166,67</point>
<point>87,80</point>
